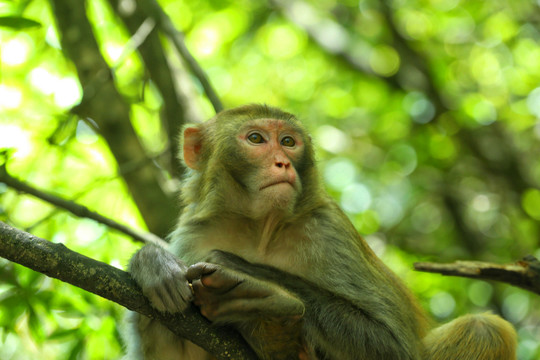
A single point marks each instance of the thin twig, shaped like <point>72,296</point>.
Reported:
<point>177,37</point>
<point>78,210</point>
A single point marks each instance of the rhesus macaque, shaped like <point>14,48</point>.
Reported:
<point>267,251</point>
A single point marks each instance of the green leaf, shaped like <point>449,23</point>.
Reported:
<point>63,334</point>
<point>18,22</point>
<point>77,350</point>
<point>35,326</point>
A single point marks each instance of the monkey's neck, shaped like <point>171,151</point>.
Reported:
<point>268,230</point>
<point>261,233</point>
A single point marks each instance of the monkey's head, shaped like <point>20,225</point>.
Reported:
<point>254,160</point>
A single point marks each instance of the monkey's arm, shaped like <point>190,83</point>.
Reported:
<point>225,295</point>
<point>268,316</point>
<point>333,327</point>
<point>161,277</point>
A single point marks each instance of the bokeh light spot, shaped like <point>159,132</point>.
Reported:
<point>384,60</point>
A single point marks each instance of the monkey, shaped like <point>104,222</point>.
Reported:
<point>260,246</point>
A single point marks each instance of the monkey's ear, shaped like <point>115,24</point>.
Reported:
<point>192,147</point>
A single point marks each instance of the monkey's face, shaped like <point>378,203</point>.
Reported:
<point>254,160</point>
<point>271,150</point>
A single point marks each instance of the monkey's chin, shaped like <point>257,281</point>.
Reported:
<point>282,192</point>
<point>280,197</point>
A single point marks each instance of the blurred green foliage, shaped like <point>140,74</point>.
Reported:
<point>426,116</point>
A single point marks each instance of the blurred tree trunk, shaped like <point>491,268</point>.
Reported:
<point>104,104</point>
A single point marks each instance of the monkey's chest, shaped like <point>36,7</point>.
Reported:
<point>283,252</point>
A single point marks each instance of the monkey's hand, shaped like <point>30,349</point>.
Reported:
<point>227,296</point>
<point>162,278</point>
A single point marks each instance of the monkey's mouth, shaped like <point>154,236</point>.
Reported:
<point>276,183</point>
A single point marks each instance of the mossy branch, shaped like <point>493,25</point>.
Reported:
<point>524,273</point>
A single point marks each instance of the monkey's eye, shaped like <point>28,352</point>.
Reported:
<point>256,138</point>
<point>288,141</point>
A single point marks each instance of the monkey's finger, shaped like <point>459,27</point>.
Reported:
<point>155,299</point>
<point>208,310</point>
<point>205,299</point>
<point>197,289</point>
<point>180,290</point>
<point>214,276</point>
<point>196,271</point>
<point>176,295</point>
<point>166,300</point>
<point>204,294</point>
<point>222,281</point>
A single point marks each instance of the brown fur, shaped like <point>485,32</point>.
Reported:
<point>472,337</point>
<point>285,250</point>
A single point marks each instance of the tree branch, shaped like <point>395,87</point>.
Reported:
<point>524,273</point>
<point>105,105</point>
<point>177,108</point>
<point>165,24</point>
<point>78,210</point>
<point>57,261</point>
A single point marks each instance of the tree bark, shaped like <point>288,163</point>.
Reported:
<point>524,273</point>
<point>57,261</point>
